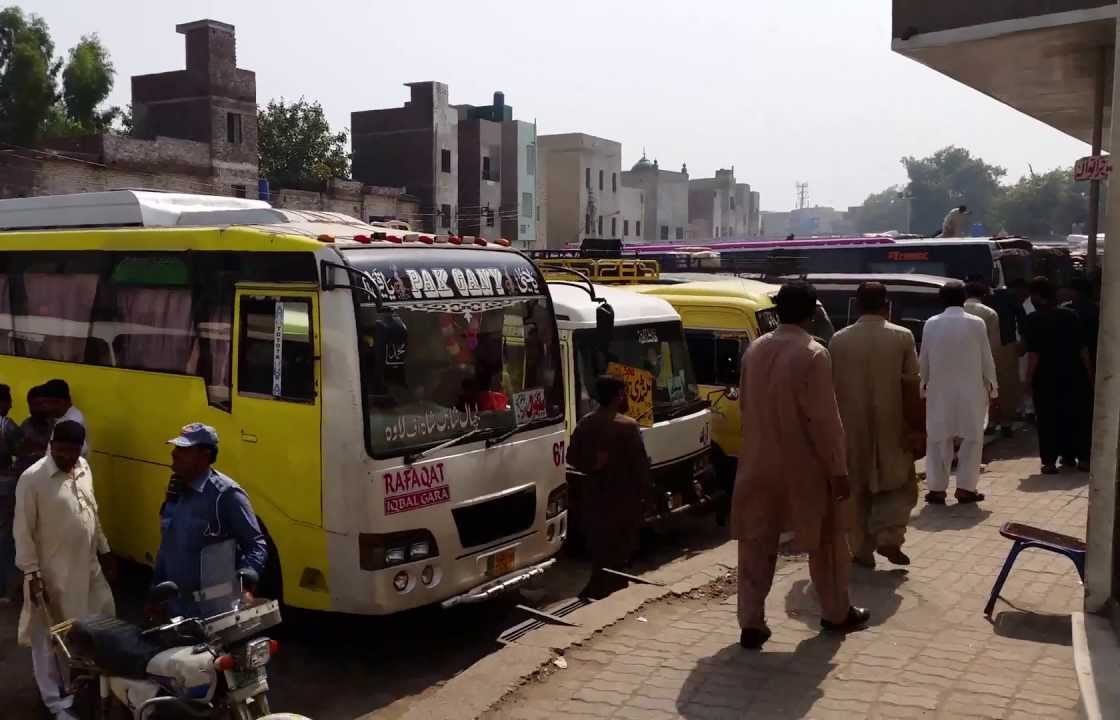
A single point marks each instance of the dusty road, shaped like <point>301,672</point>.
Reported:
<point>340,667</point>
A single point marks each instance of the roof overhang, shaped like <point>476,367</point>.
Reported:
<point>1044,65</point>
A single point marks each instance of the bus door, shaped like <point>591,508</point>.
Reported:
<point>277,398</point>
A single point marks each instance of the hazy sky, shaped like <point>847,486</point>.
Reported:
<point>804,90</point>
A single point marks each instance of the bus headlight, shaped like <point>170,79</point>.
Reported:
<point>557,502</point>
<point>380,551</point>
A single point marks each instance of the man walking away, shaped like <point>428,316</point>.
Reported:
<point>1058,373</point>
<point>607,447</point>
<point>1088,312</point>
<point>875,367</point>
<point>58,540</point>
<point>792,474</point>
<point>1008,304</point>
<point>959,384</point>
<point>977,292</point>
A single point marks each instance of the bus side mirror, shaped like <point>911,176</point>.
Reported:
<point>604,325</point>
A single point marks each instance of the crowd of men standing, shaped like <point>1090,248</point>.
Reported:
<point>830,436</point>
<point>52,547</point>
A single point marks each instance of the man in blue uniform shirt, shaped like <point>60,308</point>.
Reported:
<point>203,507</point>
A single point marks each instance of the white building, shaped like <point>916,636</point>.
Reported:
<point>579,186</point>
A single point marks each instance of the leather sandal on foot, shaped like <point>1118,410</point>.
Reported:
<point>965,497</point>
<point>753,638</point>
<point>857,620</point>
<point>894,554</point>
<point>934,497</point>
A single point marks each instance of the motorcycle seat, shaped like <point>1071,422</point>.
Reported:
<point>115,646</point>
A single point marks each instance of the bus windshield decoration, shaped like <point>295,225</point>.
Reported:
<point>480,356</point>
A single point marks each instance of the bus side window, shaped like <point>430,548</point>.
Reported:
<point>728,352</point>
<point>702,351</point>
<point>276,352</point>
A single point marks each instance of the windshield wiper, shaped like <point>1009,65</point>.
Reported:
<point>411,458</point>
<point>514,430</point>
<point>690,407</point>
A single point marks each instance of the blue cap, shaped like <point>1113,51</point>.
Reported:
<point>195,434</point>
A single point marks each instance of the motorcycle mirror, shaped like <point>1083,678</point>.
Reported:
<point>165,592</point>
<point>732,393</point>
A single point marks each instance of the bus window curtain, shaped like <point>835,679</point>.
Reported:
<point>155,330</point>
<point>56,324</point>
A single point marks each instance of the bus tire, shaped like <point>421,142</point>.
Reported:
<point>271,584</point>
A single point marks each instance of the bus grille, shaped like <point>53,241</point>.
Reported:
<point>488,521</point>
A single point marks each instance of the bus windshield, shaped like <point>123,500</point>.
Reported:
<point>434,370</point>
<point>657,348</point>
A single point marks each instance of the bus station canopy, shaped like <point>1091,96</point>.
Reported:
<point>1040,57</point>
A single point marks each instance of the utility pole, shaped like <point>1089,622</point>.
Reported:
<point>802,195</point>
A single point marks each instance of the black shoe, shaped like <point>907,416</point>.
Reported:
<point>1049,470</point>
<point>894,554</point>
<point>864,562</point>
<point>967,496</point>
<point>934,497</point>
<point>857,619</point>
<point>753,638</point>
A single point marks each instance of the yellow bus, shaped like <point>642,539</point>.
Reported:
<point>392,402</point>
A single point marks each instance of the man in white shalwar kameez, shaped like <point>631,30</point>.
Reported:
<point>58,539</point>
<point>959,384</point>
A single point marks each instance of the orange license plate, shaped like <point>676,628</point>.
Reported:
<point>500,563</point>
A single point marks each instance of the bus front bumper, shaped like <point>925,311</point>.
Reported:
<point>488,590</point>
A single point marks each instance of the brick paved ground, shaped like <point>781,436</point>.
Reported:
<point>930,653</point>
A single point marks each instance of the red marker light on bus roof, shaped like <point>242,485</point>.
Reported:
<point>393,239</point>
<point>454,239</point>
<point>480,241</point>
<point>363,239</point>
<point>426,239</point>
<point>503,242</point>
<point>325,239</point>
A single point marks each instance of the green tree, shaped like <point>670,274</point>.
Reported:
<point>1042,206</point>
<point>882,211</point>
<point>950,177</point>
<point>297,147</point>
<point>86,81</point>
<point>28,75</point>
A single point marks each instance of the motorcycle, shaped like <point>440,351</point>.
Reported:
<point>212,665</point>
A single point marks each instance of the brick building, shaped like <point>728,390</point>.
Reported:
<point>194,130</point>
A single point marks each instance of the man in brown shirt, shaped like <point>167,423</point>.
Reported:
<point>875,367</point>
<point>793,472</point>
<point>607,447</point>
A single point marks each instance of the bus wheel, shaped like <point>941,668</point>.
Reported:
<point>271,584</point>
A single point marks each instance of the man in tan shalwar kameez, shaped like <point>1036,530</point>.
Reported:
<point>875,367</point>
<point>58,540</point>
<point>792,470</point>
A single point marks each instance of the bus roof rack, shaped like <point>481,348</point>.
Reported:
<point>129,208</point>
<point>599,270</point>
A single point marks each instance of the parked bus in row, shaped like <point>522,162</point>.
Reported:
<point>647,348</point>
<point>392,402</point>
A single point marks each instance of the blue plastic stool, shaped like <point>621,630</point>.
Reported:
<point>1025,536</point>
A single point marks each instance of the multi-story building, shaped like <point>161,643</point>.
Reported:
<point>631,208</point>
<point>416,146</point>
<point>665,215</point>
<point>580,189</point>
<point>497,173</point>
<point>720,207</point>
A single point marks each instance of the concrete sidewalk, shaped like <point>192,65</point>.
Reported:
<point>930,652</point>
